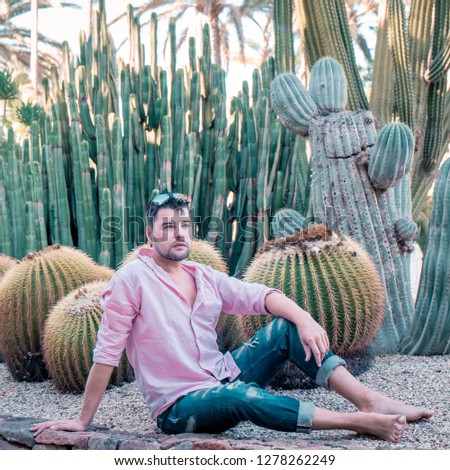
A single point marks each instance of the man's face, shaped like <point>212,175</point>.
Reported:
<point>171,236</point>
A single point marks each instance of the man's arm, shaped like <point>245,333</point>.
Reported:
<point>313,337</point>
<point>120,304</point>
<point>96,384</point>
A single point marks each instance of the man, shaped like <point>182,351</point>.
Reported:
<point>164,310</point>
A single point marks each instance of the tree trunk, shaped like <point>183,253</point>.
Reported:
<point>216,39</point>
<point>34,44</point>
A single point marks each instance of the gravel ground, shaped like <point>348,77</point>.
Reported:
<point>419,381</point>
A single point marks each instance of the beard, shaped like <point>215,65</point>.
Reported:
<point>172,253</point>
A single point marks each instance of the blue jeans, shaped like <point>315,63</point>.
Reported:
<point>216,409</point>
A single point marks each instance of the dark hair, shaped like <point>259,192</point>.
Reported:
<point>172,203</point>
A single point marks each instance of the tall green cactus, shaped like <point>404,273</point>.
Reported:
<point>429,333</point>
<point>5,218</point>
<point>353,193</point>
<point>284,41</point>
<point>410,79</point>
<point>326,32</point>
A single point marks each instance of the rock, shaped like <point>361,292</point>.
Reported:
<point>243,446</point>
<point>186,445</point>
<point>76,440</point>
<point>49,447</point>
<point>137,444</point>
<point>17,430</point>
<point>103,443</point>
<point>211,444</point>
<point>5,445</point>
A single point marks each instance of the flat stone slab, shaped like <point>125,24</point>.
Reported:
<point>15,434</point>
<point>6,445</point>
<point>75,440</point>
<point>17,430</point>
<point>138,444</point>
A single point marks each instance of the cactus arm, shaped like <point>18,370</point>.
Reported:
<point>310,30</point>
<point>6,246</point>
<point>421,36</point>
<point>284,46</point>
<point>399,44</point>
<point>106,247</point>
<point>382,91</point>
<point>440,64</point>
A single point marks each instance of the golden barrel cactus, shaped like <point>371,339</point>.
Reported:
<point>28,292</point>
<point>331,277</point>
<point>6,263</point>
<point>70,336</point>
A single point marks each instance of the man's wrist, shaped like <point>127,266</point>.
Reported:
<point>302,316</point>
<point>84,422</point>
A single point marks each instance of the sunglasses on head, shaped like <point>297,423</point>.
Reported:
<point>162,198</point>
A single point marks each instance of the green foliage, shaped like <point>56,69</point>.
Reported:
<point>29,112</point>
<point>9,90</point>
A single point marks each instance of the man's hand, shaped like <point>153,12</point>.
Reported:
<point>314,339</point>
<point>312,336</point>
<point>62,425</point>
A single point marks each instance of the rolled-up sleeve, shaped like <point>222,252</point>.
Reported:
<point>240,297</point>
<point>120,305</point>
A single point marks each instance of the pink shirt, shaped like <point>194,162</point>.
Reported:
<point>172,347</point>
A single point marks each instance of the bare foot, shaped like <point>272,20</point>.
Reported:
<point>378,403</point>
<point>387,427</point>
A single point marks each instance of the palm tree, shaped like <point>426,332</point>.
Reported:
<point>34,43</point>
<point>15,42</point>
<point>222,15</point>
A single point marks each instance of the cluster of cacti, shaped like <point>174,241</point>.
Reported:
<point>357,183</point>
<point>430,330</point>
<point>113,134</point>
<point>410,66</point>
<point>69,338</point>
<point>330,276</point>
<point>28,292</point>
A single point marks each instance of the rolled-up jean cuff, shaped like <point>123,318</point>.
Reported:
<point>305,416</point>
<point>327,368</point>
